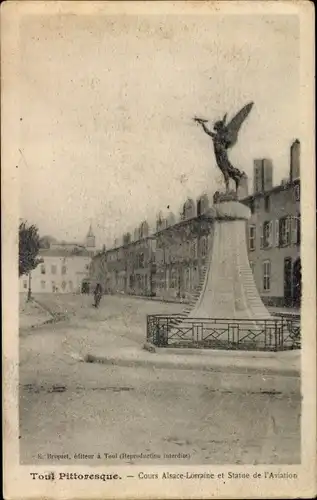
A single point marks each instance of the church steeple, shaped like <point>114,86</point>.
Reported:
<point>90,238</point>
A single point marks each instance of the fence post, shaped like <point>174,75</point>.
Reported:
<point>282,335</point>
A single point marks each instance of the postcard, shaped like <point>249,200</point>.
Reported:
<point>159,251</point>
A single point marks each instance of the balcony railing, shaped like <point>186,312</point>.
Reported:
<point>276,334</point>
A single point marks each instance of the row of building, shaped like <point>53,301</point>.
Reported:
<point>169,261</point>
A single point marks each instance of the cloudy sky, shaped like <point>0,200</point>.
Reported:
<point>106,107</point>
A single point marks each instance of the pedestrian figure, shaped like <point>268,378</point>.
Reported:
<point>97,295</point>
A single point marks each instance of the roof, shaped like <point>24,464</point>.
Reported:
<point>275,189</point>
<point>131,243</point>
<point>65,252</point>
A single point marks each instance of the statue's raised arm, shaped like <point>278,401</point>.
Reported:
<point>203,122</point>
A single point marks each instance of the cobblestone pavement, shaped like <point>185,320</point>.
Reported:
<point>70,407</point>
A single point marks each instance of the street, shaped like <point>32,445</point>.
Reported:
<point>76,408</point>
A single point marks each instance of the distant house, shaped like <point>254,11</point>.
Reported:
<point>65,265</point>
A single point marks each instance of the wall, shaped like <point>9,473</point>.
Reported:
<point>181,252</point>
<point>140,267</point>
<point>282,203</point>
<point>77,267</point>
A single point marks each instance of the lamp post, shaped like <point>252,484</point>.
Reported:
<point>29,297</point>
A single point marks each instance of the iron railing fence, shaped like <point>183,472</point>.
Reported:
<point>276,334</point>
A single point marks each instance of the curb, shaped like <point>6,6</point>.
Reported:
<point>47,309</point>
<point>49,321</point>
<point>55,317</point>
<point>170,364</point>
<point>208,353</point>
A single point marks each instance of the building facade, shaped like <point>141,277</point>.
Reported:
<point>128,268</point>
<point>63,268</point>
<point>170,262</point>
<point>61,271</point>
<point>182,250</point>
<point>274,235</point>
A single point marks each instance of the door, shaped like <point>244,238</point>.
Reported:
<point>288,286</point>
<point>297,283</point>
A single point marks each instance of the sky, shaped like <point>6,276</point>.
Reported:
<point>106,106</point>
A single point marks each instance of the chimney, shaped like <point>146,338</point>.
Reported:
<point>295,160</point>
<point>267,175</point>
<point>257,176</point>
<point>262,175</point>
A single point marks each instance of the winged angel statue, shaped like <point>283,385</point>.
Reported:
<point>224,137</point>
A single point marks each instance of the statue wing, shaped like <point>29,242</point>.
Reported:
<point>233,127</point>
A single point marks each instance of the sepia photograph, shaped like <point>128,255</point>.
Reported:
<point>160,164</point>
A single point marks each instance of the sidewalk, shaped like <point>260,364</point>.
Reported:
<point>284,310</point>
<point>32,315</point>
<point>285,363</point>
<point>247,372</point>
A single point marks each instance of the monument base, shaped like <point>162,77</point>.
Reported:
<point>222,197</point>
<point>229,292</point>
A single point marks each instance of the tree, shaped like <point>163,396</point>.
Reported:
<point>45,241</point>
<point>29,245</point>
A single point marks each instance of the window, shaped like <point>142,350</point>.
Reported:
<point>203,247</point>
<point>298,230</point>
<point>141,260</point>
<point>297,192</point>
<point>64,269</point>
<point>252,266</point>
<point>187,279</point>
<point>173,283</point>
<point>71,287</point>
<point>165,255</point>
<point>43,285</point>
<point>194,249</point>
<point>172,254</point>
<point>267,234</point>
<point>195,277</point>
<point>25,284</point>
<point>187,250</point>
<point>53,286</point>
<point>257,204</point>
<point>266,275</point>
<point>284,230</point>
<point>43,271</point>
<point>261,236</point>
<point>53,269</point>
<point>251,238</point>
<point>63,285</point>
<point>267,203</point>
<point>277,233</point>
<point>294,230</point>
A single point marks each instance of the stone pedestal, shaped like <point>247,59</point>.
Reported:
<point>229,290</point>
